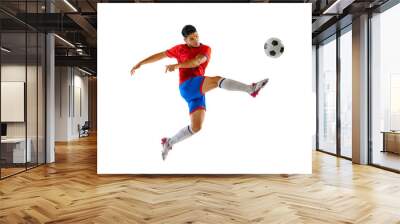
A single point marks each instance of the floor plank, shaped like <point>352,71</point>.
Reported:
<point>70,191</point>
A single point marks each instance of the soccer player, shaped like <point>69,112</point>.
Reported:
<point>193,58</point>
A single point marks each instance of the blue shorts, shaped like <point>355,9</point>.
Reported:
<point>191,91</point>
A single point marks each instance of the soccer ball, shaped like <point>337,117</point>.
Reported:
<point>273,47</point>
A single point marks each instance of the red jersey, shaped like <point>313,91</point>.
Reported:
<point>183,52</point>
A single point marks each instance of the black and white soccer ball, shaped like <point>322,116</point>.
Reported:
<point>273,47</point>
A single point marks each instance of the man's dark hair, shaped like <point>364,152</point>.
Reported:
<point>187,30</point>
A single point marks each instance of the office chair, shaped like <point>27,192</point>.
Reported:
<point>84,130</point>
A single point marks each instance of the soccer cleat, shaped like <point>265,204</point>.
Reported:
<point>166,147</point>
<point>258,86</point>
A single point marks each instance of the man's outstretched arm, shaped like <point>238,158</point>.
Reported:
<point>151,59</point>
<point>192,63</point>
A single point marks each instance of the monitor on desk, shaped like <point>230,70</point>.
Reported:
<point>3,130</point>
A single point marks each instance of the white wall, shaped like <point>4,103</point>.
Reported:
<point>70,83</point>
<point>80,83</point>
<point>62,78</point>
<point>12,73</point>
<point>15,73</point>
<point>240,134</point>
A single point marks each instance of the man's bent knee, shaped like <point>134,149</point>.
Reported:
<point>217,78</point>
<point>196,127</point>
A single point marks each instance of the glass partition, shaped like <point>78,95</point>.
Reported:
<point>385,89</point>
<point>346,93</point>
<point>22,101</point>
<point>14,153</point>
<point>327,96</point>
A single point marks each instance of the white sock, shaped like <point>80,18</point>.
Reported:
<point>233,85</point>
<point>183,134</point>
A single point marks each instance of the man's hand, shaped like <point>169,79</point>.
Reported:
<point>134,69</point>
<point>171,68</point>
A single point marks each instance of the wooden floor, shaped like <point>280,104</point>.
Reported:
<point>5,172</point>
<point>8,171</point>
<point>70,191</point>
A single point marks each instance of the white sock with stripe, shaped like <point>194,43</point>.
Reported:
<point>183,134</point>
<point>233,85</point>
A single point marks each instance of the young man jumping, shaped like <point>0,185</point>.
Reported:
<point>193,58</point>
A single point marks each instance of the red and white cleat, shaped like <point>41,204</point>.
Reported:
<point>258,86</point>
<point>166,147</point>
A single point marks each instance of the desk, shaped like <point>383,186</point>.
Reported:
<point>15,148</point>
<point>391,141</point>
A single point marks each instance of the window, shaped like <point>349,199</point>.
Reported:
<point>385,89</point>
<point>327,96</point>
<point>346,93</point>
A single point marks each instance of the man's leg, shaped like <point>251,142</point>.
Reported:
<point>196,118</point>
<point>213,82</point>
